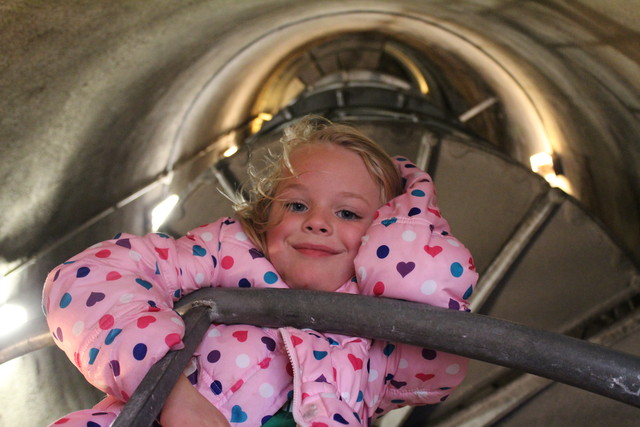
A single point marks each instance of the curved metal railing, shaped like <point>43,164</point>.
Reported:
<point>554,356</point>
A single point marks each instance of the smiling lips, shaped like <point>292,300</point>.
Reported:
<point>315,250</point>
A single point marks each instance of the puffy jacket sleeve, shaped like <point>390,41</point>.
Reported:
<point>409,253</point>
<point>110,308</point>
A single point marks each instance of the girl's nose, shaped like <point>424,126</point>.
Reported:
<point>317,223</point>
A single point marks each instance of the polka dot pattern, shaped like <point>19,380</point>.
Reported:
<point>407,253</point>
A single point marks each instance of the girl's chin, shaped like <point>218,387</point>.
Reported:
<point>315,285</point>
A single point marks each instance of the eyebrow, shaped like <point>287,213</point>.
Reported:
<point>348,194</point>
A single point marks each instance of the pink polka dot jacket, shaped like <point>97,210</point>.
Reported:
<point>110,309</point>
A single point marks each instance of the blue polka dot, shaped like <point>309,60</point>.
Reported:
<point>199,250</point>
<point>382,251</point>
<point>92,424</point>
<point>409,166</point>
<point>270,277</point>
<point>468,293</point>
<point>177,293</point>
<point>389,348</point>
<point>414,211</point>
<point>139,351</point>
<point>418,193</point>
<point>238,415</point>
<point>215,261</point>
<point>112,335</point>
<point>244,283</point>
<point>83,272</point>
<point>360,396</point>
<point>264,420</point>
<point>65,300</point>
<point>216,387</point>
<point>93,353</point>
<point>144,284</point>
<point>401,159</point>
<point>456,269</point>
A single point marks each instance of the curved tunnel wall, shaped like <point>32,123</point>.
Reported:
<point>101,100</point>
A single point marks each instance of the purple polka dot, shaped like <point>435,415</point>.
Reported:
<point>213,356</point>
<point>55,276</point>
<point>115,368</point>
<point>382,251</point>
<point>139,351</point>
<point>414,211</point>
<point>454,305</point>
<point>270,343</point>
<point>429,354</point>
<point>59,334</point>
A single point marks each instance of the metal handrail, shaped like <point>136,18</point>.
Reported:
<point>588,366</point>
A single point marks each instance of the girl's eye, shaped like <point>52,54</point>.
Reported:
<point>295,206</point>
<point>348,215</point>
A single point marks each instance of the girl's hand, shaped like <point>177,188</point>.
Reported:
<point>185,406</point>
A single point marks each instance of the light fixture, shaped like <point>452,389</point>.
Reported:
<point>542,164</point>
<point>256,124</point>
<point>161,212</point>
<point>230,151</point>
<point>12,317</point>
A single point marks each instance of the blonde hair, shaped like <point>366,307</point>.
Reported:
<point>253,213</point>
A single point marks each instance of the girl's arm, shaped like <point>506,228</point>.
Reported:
<point>110,308</point>
<point>409,253</point>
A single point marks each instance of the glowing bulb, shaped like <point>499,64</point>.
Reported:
<point>257,123</point>
<point>161,212</point>
<point>230,151</point>
<point>12,317</point>
<point>541,163</point>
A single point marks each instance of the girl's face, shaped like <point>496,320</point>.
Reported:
<point>319,217</point>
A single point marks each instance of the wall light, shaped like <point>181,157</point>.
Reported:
<point>257,123</point>
<point>542,164</point>
<point>230,151</point>
<point>12,317</point>
<point>161,212</point>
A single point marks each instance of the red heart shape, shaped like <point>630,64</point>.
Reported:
<point>433,250</point>
<point>145,321</point>
<point>113,275</point>
<point>356,362</point>
<point>162,252</point>
<point>241,335</point>
<point>424,377</point>
<point>105,253</point>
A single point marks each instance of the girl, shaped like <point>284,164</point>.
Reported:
<point>313,221</point>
